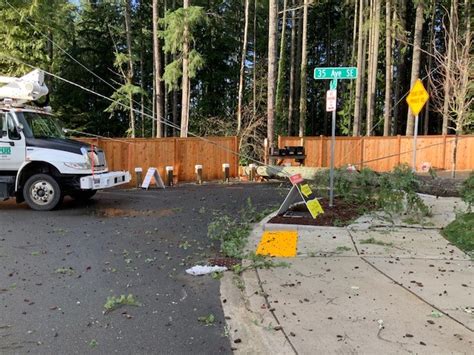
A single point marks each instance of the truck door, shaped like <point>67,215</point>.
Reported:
<point>12,144</point>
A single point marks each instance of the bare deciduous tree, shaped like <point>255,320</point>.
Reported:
<point>453,92</point>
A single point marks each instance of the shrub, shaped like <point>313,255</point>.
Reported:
<point>467,191</point>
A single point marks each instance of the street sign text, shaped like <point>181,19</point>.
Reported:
<point>335,73</point>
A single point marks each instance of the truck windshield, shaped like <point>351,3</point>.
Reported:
<point>37,125</point>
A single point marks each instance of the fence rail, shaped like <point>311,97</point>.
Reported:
<point>181,153</point>
<point>384,153</point>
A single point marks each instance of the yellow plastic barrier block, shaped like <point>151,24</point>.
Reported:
<point>278,243</point>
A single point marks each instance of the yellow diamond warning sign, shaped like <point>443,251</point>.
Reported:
<point>417,97</point>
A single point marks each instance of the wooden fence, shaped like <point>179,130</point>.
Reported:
<point>181,153</point>
<point>383,153</point>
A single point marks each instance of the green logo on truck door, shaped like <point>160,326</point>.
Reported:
<point>5,150</point>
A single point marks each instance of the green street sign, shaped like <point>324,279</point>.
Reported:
<point>333,84</point>
<point>5,151</point>
<point>335,73</point>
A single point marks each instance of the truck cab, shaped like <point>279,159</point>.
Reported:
<point>39,165</point>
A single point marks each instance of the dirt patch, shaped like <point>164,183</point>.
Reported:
<point>440,186</point>
<point>341,214</point>
<point>118,212</point>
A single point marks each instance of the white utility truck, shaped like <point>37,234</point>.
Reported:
<point>38,164</point>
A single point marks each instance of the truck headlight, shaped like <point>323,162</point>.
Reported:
<point>79,166</point>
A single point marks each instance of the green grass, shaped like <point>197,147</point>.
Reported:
<point>343,248</point>
<point>376,242</point>
<point>460,232</point>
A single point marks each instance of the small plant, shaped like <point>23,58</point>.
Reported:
<point>410,220</point>
<point>35,253</point>
<point>184,245</point>
<point>217,275</point>
<point>65,271</point>
<point>114,302</point>
<point>432,173</point>
<point>376,242</point>
<point>258,262</point>
<point>232,233</point>
<point>93,343</point>
<point>238,282</point>
<point>342,248</point>
<point>207,320</point>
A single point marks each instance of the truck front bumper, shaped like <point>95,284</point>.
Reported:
<point>105,180</point>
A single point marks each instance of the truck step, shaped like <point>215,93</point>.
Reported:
<point>7,187</point>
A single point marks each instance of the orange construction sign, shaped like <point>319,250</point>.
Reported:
<point>417,97</point>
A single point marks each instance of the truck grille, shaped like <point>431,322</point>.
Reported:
<point>98,157</point>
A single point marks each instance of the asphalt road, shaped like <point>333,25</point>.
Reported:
<point>58,268</point>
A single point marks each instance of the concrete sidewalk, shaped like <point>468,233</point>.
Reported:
<point>359,289</point>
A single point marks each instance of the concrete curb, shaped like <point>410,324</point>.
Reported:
<point>249,322</point>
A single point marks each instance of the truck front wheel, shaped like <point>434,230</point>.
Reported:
<point>42,192</point>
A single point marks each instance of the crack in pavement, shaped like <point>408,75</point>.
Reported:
<point>405,288</point>
<point>265,296</point>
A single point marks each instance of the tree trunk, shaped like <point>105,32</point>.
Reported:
<point>388,68</point>
<point>303,69</point>
<point>373,66</point>
<point>360,66</point>
<point>401,65</point>
<point>174,112</point>
<point>449,55</point>
<point>242,68</point>
<point>185,79</point>
<point>299,40</point>
<point>272,53</point>
<point>166,57</point>
<point>157,74</point>
<point>128,33</point>
<point>352,63</point>
<point>142,87</point>
<point>291,93</point>
<point>254,60</point>
<point>415,67</point>
<point>429,68</point>
<point>281,69</point>
<point>175,97</point>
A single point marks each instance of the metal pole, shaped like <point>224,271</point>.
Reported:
<point>331,171</point>
<point>414,143</point>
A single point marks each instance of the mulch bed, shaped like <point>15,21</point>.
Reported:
<point>342,213</point>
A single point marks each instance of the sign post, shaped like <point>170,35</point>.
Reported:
<point>416,99</point>
<point>334,74</point>
<point>331,107</point>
